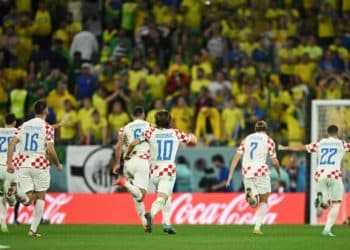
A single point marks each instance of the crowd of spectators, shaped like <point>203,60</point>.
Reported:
<point>218,66</point>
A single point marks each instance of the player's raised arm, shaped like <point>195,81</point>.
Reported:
<point>297,148</point>
<point>118,151</point>
<point>192,139</point>
<point>10,152</point>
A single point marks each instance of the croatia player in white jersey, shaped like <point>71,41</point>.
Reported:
<point>164,142</point>
<point>35,137</point>
<point>330,189</point>
<point>255,149</point>
<point>136,169</point>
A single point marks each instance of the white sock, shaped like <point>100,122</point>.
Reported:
<point>166,211</point>
<point>260,214</point>
<point>332,216</point>
<point>157,205</point>
<point>140,209</point>
<point>135,191</point>
<point>37,215</point>
<point>3,212</point>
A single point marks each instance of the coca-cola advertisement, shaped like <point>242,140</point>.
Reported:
<point>187,208</point>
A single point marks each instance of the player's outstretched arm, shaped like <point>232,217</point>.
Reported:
<point>131,148</point>
<point>234,163</point>
<point>297,148</point>
<point>53,155</point>
<point>10,151</point>
<point>276,165</point>
<point>61,123</point>
<point>192,139</point>
<point>118,153</point>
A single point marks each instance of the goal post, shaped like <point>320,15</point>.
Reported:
<point>323,114</point>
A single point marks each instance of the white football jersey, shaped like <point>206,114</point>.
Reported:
<point>132,131</point>
<point>6,135</point>
<point>33,136</point>
<point>255,148</point>
<point>163,148</point>
<point>330,152</point>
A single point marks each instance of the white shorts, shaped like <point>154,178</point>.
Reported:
<point>137,170</point>
<point>331,189</point>
<point>33,179</point>
<point>7,178</point>
<point>258,185</point>
<point>164,184</point>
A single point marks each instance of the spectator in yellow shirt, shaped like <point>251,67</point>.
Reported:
<point>287,57</point>
<point>182,115</point>
<point>56,98</point>
<point>232,122</point>
<point>97,133</point>
<point>85,119</point>
<point>304,70</point>
<point>101,99</point>
<point>68,133</point>
<point>135,75</point>
<point>157,105</point>
<point>326,23</point>
<point>201,81</point>
<point>117,119</point>
<point>156,82</point>
<point>42,27</point>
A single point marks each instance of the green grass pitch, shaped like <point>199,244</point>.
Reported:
<point>120,237</point>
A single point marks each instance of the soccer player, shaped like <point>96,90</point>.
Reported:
<point>164,142</point>
<point>330,189</point>
<point>255,148</point>
<point>136,169</point>
<point>35,138</point>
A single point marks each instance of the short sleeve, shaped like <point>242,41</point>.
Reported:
<point>182,136</point>
<point>148,133</point>
<point>312,147</point>
<point>346,146</point>
<point>271,148</point>
<point>240,149</point>
<point>50,133</point>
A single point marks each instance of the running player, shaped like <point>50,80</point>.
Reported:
<point>330,189</point>
<point>35,137</point>
<point>164,142</point>
<point>136,169</point>
<point>255,148</point>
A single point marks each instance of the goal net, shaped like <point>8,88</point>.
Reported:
<point>325,113</point>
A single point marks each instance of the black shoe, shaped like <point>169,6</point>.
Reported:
<point>148,217</point>
<point>168,229</point>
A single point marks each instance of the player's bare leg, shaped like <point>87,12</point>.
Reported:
<point>250,198</point>
<point>331,218</point>
<point>38,213</point>
<point>260,213</point>
<point>132,189</point>
<point>157,205</point>
<point>140,208</point>
<point>167,228</point>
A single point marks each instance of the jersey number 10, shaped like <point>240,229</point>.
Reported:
<point>165,149</point>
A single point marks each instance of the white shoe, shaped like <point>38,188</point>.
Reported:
<point>4,229</point>
<point>327,233</point>
<point>257,231</point>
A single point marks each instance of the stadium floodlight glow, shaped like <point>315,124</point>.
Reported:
<point>323,114</point>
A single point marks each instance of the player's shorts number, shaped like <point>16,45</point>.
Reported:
<point>137,133</point>
<point>3,142</point>
<point>31,143</point>
<point>253,146</point>
<point>327,155</point>
<point>165,149</point>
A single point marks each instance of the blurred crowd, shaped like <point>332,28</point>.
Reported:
<point>219,66</point>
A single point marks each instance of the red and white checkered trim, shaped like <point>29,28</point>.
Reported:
<point>50,132</point>
<point>245,170</point>
<point>170,170</point>
<point>17,131</point>
<point>312,147</point>
<point>262,171</point>
<point>148,133</point>
<point>41,163</point>
<point>145,156</point>
<point>241,148</point>
<point>18,161</point>
<point>182,136</point>
<point>334,174</point>
<point>346,146</point>
<point>271,147</point>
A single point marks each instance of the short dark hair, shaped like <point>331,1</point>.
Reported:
<point>138,111</point>
<point>39,107</point>
<point>163,119</point>
<point>10,118</point>
<point>260,126</point>
<point>218,158</point>
<point>332,130</point>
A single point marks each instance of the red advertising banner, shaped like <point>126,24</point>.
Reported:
<point>344,211</point>
<point>187,208</point>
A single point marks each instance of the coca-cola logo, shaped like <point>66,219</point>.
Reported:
<point>52,210</point>
<point>236,211</point>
